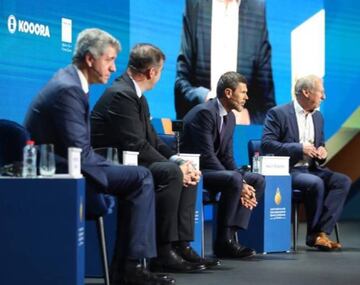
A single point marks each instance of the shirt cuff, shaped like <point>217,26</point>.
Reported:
<point>177,159</point>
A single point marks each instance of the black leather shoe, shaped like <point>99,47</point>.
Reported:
<point>231,249</point>
<point>138,275</point>
<point>172,262</point>
<point>190,255</point>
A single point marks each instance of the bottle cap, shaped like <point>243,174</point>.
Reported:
<point>30,142</point>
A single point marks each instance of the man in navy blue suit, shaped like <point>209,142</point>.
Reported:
<point>297,130</point>
<point>208,130</point>
<point>60,115</point>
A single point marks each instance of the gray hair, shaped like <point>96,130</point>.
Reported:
<point>305,83</point>
<point>230,79</point>
<point>94,41</point>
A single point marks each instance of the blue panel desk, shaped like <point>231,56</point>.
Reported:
<point>198,243</point>
<point>270,225</point>
<point>42,231</point>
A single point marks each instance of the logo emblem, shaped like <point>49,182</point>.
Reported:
<point>277,197</point>
<point>11,24</point>
<point>81,209</point>
<point>66,30</point>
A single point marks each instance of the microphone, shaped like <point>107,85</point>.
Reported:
<point>96,71</point>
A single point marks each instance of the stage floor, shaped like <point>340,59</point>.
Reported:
<point>306,266</point>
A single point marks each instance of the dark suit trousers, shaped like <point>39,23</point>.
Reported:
<point>133,187</point>
<point>231,213</point>
<point>325,192</point>
<point>175,204</point>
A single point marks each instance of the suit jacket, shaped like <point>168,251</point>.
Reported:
<point>281,133</point>
<point>59,114</point>
<point>121,119</point>
<point>254,57</point>
<point>201,135</point>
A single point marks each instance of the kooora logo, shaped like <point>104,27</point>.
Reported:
<point>27,27</point>
<point>12,24</point>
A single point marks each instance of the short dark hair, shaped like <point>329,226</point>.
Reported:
<point>143,56</point>
<point>230,79</point>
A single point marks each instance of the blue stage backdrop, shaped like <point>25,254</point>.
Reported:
<point>38,37</point>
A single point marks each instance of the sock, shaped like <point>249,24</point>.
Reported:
<point>225,234</point>
<point>164,249</point>
<point>180,244</point>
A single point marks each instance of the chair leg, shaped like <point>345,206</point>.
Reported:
<point>214,223</point>
<point>101,233</point>
<point>337,233</point>
<point>295,226</point>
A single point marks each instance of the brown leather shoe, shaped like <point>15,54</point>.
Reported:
<point>319,241</point>
<point>334,245</point>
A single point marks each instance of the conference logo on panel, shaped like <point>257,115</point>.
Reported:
<point>27,27</point>
<point>277,197</point>
<point>66,35</point>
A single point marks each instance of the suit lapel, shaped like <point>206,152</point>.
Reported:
<point>293,122</point>
<point>317,129</point>
<point>142,104</point>
<point>215,107</point>
<point>216,132</point>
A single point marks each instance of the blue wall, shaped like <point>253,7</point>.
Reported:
<point>28,61</point>
<point>161,26</point>
<point>342,57</point>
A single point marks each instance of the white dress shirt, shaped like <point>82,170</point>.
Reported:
<point>306,130</point>
<point>224,38</point>
<point>83,80</point>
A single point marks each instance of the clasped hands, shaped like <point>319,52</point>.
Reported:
<point>247,197</point>
<point>191,175</point>
<point>311,151</point>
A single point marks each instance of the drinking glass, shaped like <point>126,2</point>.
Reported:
<point>109,153</point>
<point>47,160</point>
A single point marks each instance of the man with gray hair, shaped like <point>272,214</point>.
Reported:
<point>297,130</point>
<point>59,115</point>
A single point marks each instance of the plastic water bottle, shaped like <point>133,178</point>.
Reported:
<point>29,160</point>
<point>256,163</point>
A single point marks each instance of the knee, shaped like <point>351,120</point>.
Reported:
<point>316,186</point>
<point>166,173</point>
<point>144,177</point>
<point>344,182</point>
<point>259,183</point>
<point>173,172</point>
<point>235,180</point>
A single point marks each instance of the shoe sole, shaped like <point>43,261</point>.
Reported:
<point>236,256</point>
<point>167,270</point>
<point>323,248</point>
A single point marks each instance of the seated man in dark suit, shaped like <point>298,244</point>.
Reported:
<point>297,130</point>
<point>208,130</point>
<point>121,118</point>
<point>59,114</point>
